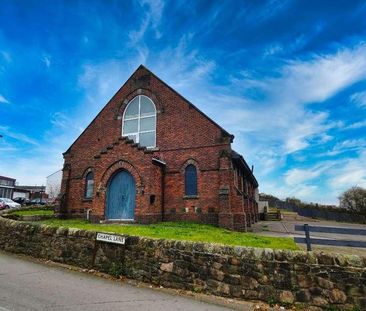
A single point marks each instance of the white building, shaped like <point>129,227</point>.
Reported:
<point>53,184</point>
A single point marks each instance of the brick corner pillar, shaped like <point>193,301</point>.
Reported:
<point>225,216</point>
<point>240,222</point>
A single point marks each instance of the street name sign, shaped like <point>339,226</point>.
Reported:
<point>111,238</point>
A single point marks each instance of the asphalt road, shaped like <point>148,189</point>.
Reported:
<point>286,228</point>
<point>27,285</point>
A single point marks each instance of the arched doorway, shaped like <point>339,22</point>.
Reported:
<point>121,197</point>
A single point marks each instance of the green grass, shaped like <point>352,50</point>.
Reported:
<point>182,231</point>
<point>35,212</point>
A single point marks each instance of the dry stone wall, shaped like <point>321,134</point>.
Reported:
<point>313,279</point>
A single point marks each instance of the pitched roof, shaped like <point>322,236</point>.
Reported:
<point>185,99</point>
<point>226,133</point>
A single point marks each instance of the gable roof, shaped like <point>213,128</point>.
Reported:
<point>186,100</point>
<point>142,67</point>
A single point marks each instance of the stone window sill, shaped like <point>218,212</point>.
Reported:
<point>191,197</point>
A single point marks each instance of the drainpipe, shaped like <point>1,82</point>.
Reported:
<point>88,214</point>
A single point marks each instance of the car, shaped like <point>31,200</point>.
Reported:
<point>37,201</point>
<point>9,203</point>
<point>21,200</point>
<point>2,205</point>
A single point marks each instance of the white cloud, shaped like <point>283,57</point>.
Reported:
<point>301,191</point>
<point>272,49</point>
<point>359,99</point>
<point>319,78</point>
<point>47,60</point>
<point>283,120</point>
<point>100,82</point>
<point>156,8</point>
<point>60,120</point>
<point>150,18</point>
<point>7,132</point>
<point>356,125</point>
<point>31,168</point>
<point>352,172</point>
<point>350,144</point>
<point>297,176</point>
<point>184,69</point>
<point>347,145</point>
<point>305,191</point>
<point>31,165</point>
<point>3,100</point>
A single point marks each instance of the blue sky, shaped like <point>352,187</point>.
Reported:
<point>287,78</point>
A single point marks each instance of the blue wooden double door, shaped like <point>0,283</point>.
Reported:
<point>121,197</point>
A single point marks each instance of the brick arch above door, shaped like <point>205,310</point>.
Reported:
<point>122,165</point>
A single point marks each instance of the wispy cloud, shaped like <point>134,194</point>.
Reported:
<point>359,99</point>
<point>3,100</point>
<point>297,176</point>
<point>283,115</point>
<point>46,59</point>
<point>60,120</point>
<point>31,168</point>
<point>7,132</point>
<point>356,125</point>
<point>348,145</point>
<point>184,62</point>
<point>150,18</point>
<point>320,77</point>
<point>351,172</point>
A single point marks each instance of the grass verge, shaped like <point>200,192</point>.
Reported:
<point>182,231</point>
<point>35,212</point>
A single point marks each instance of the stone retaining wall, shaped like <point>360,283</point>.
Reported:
<point>313,279</point>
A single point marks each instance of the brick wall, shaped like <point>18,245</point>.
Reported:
<point>184,135</point>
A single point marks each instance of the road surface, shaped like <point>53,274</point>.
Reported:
<point>286,228</point>
<point>27,285</point>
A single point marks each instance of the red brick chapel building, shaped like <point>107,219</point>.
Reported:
<point>150,156</point>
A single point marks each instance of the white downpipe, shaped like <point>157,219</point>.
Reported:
<point>88,214</point>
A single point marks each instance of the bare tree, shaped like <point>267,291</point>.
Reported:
<point>354,199</point>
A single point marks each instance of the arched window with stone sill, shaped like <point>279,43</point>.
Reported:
<point>190,178</point>
<point>139,121</point>
<point>89,185</point>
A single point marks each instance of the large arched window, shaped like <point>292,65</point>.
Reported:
<point>190,176</point>
<point>139,121</point>
<point>89,184</point>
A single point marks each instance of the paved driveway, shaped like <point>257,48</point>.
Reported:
<point>286,228</point>
<point>26,285</point>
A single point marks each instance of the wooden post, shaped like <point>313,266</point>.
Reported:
<point>307,237</point>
